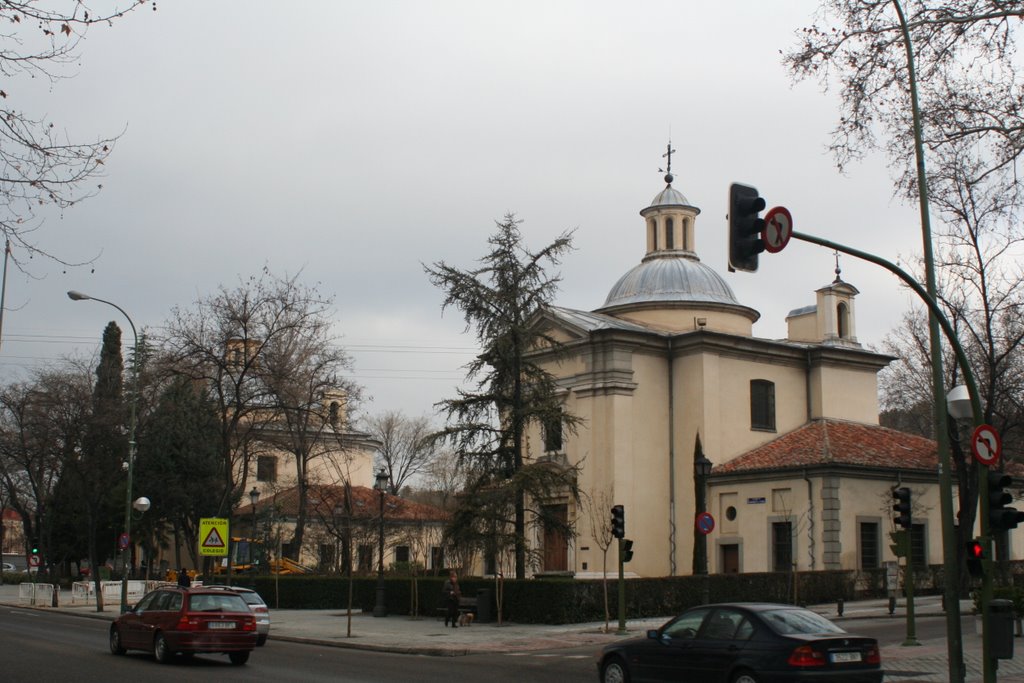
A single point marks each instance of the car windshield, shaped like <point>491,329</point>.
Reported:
<point>790,621</point>
<point>224,602</point>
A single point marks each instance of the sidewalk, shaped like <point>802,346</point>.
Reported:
<point>428,635</point>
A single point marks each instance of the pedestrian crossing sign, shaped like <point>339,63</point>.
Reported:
<point>213,536</point>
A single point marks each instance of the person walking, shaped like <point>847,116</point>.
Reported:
<point>183,579</point>
<point>451,593</point>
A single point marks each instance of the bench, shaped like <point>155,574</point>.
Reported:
<point>466,606</point>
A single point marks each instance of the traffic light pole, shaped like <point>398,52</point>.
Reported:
<point>622,589</point>
<point>951,573</point>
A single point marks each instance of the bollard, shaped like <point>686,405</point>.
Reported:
<point>892,605</point>
<point>56,592</point>
<point>839,607</point>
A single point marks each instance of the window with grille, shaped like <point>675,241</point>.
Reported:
<point>782,546</point>
<point>869,551</point>
<point>762,404</point>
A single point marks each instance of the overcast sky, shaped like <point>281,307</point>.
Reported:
<point>357,141</point>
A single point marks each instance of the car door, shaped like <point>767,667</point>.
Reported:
<point>719,644</point>
<point>666,657</point>
<point>131,622</point>
<point>154,618</point>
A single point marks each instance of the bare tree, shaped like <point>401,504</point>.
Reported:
<point>406,447</point>
<point>264,352</point>
<point>598,508</point>
<point>41,165</point>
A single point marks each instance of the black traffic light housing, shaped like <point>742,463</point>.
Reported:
<point>902,498</point>
<point>627,550</point>
<point>745,227</point>
<point>975,553</point>
<point>618,521</point>
<point>1001,517</point>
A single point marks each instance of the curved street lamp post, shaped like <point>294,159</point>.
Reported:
<point>380,609</point>
<point>126,550</point>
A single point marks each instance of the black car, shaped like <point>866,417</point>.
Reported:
<point>744,643</point>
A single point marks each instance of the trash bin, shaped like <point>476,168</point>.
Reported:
<point>483,605</point>
<point>1000,628</point>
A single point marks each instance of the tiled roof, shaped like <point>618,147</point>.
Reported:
<point>835,442</point>
<point>322,499</point>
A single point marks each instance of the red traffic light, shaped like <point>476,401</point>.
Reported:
<point>975,552</point>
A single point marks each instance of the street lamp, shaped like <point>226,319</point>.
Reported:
<point>254,497</point>
<point>701,472</point>
<point>78,296</point>
<point>381,485</point>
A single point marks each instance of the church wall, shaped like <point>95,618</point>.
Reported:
<point>844,393</point>
<point>682,320</point>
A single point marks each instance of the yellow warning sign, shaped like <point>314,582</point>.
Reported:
<point>213,536</point>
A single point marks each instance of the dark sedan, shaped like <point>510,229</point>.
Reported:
<point>188,621</point>
<point>744,643</point>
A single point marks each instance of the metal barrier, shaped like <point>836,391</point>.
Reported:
<point>36,593</point>
<point>84,592</point>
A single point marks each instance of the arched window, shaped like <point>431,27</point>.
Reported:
<point>669,236</point>
<point>762,404</point>
<point>843,320</point>
<point>333,413</point>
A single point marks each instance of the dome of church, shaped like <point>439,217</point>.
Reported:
<point>670,196</point>
<point>670,280</point>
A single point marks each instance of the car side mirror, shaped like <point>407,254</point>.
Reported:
<point>652,633</point>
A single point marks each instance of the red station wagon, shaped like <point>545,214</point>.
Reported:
<point>188,621</point>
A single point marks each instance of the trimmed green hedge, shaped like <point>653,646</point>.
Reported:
<point>556,600</point>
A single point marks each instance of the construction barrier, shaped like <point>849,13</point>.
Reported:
<point>84,592</point>
<point>36,594</point>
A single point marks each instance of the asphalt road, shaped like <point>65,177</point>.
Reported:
<point>40,646</point>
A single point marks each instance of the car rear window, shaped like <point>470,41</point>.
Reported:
<point>224,602</point>
<point>790,621</point>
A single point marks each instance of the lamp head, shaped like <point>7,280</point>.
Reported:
<point>254,496</point>
<point>958,402</point>
<point>382,480</point>
<point>77,296</point>
<point>141,504</point>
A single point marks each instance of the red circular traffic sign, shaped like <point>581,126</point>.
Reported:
<point>705,523</point>
<point>33,560</point>
<point>123,540</point>
<point>778,228</point>
<point>986,445</point>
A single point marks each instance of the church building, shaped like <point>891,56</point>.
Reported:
<point>667,373</point>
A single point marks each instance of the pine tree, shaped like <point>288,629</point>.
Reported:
<point>487,426</point>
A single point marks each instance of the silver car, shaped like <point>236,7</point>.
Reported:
<point>258,607</point>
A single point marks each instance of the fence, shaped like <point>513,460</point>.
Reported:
<point>84,592</point>
<point>36,593</point>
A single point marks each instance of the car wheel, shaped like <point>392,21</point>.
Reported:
<point>115,641</point>
<point>614,671</point>
<point>743,677</point>
<point>238,658</point>
<point>162,653</point>
<point>261,639</point>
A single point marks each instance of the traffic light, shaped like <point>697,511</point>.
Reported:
<point>1000,517</point>
<point>975,552</point>
<point>745,227</point>
<point>902,507</point>
<point>618,521</point>
<point>627,550</point>
<point>900,543</point>
<point>35,547</point>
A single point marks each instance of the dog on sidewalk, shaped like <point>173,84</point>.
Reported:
<point>466,619</point>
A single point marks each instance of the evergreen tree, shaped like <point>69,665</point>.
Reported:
<point>487,426</point>
<point>98,476</point>
<point>178,466</point>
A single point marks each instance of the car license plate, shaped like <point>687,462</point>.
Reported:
<point>221,625</point>
<point>841,657</point>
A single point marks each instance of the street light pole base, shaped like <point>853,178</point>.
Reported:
<point>380,609</point>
